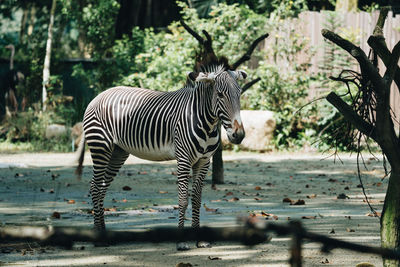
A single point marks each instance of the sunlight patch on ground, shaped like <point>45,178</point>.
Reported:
<point>73,261</point>
<point>224,252</point>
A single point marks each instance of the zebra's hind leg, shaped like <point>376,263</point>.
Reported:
<point>199,172</point>
<point>104,170</point>
<point>183,171</point>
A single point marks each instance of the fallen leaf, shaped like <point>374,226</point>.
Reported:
<point>233,199</point>
<point>181,264</point>
<point>312,196</point>
<point>142,172</point>
<point>378,214</point>
<point>325,261</point>
<point>56,215</point>
<point>378,184</point>
<point>257,188</point>
<point>209,209</point>
<point>309,217</point>
<point>229,193</point>
<point>152,210</point>
<point>71,201</point>
<point>214,258</point>
<point>216,200</point>
<point>257,198</point>
<point>113,209</point>
<point>269,216</point>
<point>350,230</point>
<point>163,192</point>
<point>298,202</point>
<point>342,196</point>
<point>287,200</point>
<point>126,188</point>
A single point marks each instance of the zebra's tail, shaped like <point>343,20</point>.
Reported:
<point>81,153</point>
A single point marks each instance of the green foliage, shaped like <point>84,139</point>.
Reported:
<point>167,57</point>
<point>30,127</point>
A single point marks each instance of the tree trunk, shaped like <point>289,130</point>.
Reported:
<point>218,163</point>
<point>24,19</point>
<point>31,20</point>
<point>46,67</point>
<point>390,219</point>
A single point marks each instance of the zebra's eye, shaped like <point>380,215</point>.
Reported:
<point>219,94</point>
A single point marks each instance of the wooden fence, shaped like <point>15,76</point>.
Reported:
<point>360,24</point>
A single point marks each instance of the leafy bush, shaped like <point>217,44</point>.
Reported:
<point>30,127</point>
<point>167,57</point>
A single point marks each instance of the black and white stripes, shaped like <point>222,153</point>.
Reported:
<point>158,126</point>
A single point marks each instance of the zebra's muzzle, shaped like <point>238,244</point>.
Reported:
<point>237,133</point>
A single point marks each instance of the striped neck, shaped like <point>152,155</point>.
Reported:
<point>205,99</point>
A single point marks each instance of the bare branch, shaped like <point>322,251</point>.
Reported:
<point>378,44</point>
<point>250,84</point>
<point>65,236</point>
<point>249,235</point>
<point>350,115</point>
<point>381,21</point>
<point>367,68</point>
<point>206,43</point>
<point>247,55</point>
<point>393,65</point>
<point>192,32</point>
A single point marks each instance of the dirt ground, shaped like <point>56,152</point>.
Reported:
<point>34,186</point>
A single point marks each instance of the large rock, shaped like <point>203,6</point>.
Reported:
<point>259,126</point>
<point>55,130</point>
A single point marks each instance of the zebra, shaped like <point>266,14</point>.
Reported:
<point>159,126</point>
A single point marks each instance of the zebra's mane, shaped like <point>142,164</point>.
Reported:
<point>210,63</point>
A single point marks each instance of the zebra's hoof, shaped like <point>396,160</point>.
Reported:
<point>182,246</point>
<point>203,244</point>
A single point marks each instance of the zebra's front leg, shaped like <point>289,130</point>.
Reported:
<point>183,171</point>
<point>199,173</point>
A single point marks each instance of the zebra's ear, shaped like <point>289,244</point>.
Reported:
<point>192,75</point>
<point>240,74</point>
<point>205,77</point>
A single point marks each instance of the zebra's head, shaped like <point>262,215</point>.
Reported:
<point>226,99</point>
